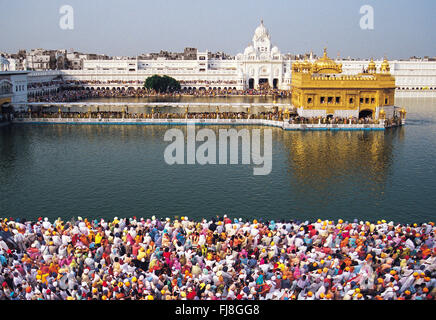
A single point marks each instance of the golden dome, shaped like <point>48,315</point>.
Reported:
<point>385,66</point>
<point>326,65</point>
<point>296,66</point>
<point>300,66</point>
<point>306,65</point>
<point>372,67</point>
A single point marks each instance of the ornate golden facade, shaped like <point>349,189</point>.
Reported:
<point>320,89</point>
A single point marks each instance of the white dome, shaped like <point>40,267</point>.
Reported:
<point>249,50</point>
<point>260,32</point>
<point>275,51</point>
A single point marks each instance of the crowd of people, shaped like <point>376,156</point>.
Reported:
<point>152,113</point>
<point>38,85</point>
<point>61,96</point>
<point>67,94</point>
<point>216,259</point>
<point>333,120</point>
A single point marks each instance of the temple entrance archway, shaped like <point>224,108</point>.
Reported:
<point>263,82</point>
<point>275,83</point>
<point>365,114</point>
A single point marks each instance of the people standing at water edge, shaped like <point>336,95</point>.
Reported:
<point>219,259</point>
<point>72,91</point>
<point>275,115</point>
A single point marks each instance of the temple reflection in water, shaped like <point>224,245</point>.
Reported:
<point>332,166</point>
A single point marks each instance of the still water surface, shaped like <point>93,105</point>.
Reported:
<point>107,171</point>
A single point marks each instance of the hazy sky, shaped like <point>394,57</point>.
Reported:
<point>130,27</point>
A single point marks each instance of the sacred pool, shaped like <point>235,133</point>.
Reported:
<point>106,171</point>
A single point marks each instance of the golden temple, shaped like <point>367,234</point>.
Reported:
<point>320,89</point>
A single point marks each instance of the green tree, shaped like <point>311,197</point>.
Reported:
<point>162,84</point>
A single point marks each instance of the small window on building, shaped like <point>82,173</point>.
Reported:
<point>330,100</point>
<point>338,99</point>
<point>366,100</point>
<point>361,100</point>
<point>309,100</point>
<point>386,101</point>
<point>372,100</point>
<point>322,100</point>
<point>351,100</point>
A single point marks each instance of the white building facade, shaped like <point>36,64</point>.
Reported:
<point>412,78</point>
<point>261,64</point>
<point>37,60</point>
<point>13,87</point>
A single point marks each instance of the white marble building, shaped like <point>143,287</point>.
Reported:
<point>13,87</point>
<point>260,63</point>
<point>412,78</point>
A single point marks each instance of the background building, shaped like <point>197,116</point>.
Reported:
<point>13,89</point>
<point>260,65</point>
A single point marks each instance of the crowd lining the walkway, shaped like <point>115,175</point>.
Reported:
<point>72,95</point>
<point>154,113</point>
